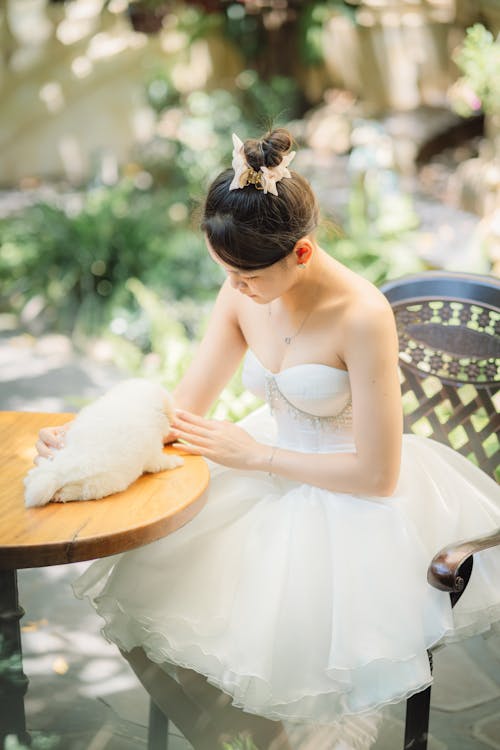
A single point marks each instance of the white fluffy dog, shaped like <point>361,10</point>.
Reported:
<point>109,445</point>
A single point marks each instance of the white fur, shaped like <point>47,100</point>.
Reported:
<point>108,446</point>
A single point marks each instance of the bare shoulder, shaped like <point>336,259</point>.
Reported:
<point>369,327</point>
<point>227,302</point>
<point>368,311</point>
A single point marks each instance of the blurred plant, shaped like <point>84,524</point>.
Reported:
<point>193,134</point>
<point>377,239</point>
<point>75,261</point>
<point>478,59</point>
<point>312,21</point>
<point>380,225</point>
<point>263,103</point>
<point>268,34</point>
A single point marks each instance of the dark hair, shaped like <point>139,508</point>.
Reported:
<point>250,229</point>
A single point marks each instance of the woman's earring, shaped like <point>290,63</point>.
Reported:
<point>301,265</point>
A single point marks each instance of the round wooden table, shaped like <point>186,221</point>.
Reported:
<point>152,507</point>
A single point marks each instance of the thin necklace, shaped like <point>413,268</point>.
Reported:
<point>288,339</point>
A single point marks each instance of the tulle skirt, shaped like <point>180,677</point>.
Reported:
<point>305,605</point>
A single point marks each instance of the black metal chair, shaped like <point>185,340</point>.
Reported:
<point>449,342</point>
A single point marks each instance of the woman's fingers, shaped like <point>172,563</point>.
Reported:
<point>188,417</point>
<point>192,437</point>
<point>198,426</point>
<point>43,449</point>
<point>195,433</point>
<point>52,436</point>
<point>50,439</point>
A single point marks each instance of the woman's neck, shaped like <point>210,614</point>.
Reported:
<point>319,277</point>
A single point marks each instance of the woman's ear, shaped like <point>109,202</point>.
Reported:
<point>303,251</point>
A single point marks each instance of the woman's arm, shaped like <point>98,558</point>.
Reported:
<point>216,359</point>
<point>371,356</point>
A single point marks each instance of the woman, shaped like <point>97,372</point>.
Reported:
<point>298,594</point>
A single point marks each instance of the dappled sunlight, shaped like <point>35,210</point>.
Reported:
<point>51,93</point>
<point>28,21</point>
<point>105,44</point>
<point>73,30</point>
<point>43,640</point>
<point>65,655</point>
<point>81,66</point>
<point>97,670</point>
<point>109,685</point>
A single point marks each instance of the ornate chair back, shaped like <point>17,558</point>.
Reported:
<point>449,349</point>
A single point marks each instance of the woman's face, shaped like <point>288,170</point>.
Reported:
<point>262,285</point>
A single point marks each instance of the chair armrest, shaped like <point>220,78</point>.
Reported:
<point>444,570</point>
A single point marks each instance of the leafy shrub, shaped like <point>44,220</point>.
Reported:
<point>78,261</point>
<point>478,58</point>
<point>378,239</point>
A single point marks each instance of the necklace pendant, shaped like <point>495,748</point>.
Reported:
<point>288,339</point>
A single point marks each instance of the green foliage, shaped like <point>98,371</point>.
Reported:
<point>269,103</point>
<point>199,125</point>
<point>245,31</point>
<point>313,17</point>
<point>78,261</point>
<point>377,242</point>
<point>479,61</point>
<point>249,32</point>
<point>82,262</point>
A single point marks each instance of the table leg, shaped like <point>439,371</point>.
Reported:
<point>13,681</point>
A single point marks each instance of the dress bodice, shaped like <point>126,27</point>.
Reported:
<point>310,402</point>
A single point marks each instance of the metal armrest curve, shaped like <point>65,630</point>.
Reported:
<point>444,571</point>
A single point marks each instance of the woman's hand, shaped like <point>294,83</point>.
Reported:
<point>220,441</point>
<point>50,439</point>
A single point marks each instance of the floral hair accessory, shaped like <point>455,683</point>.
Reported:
<point>265,179</point>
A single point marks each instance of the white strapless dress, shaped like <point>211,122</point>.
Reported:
<point>306,605</point>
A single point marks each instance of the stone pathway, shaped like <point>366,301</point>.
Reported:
<point>83,692</point>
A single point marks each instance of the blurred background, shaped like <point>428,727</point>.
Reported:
<point>115,115</point>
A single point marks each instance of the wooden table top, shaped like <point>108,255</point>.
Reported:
<point>152,507</point>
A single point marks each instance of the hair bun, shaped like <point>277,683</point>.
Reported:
<point>269,150</point>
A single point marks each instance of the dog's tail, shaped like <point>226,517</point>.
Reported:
<point>40,485</point>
